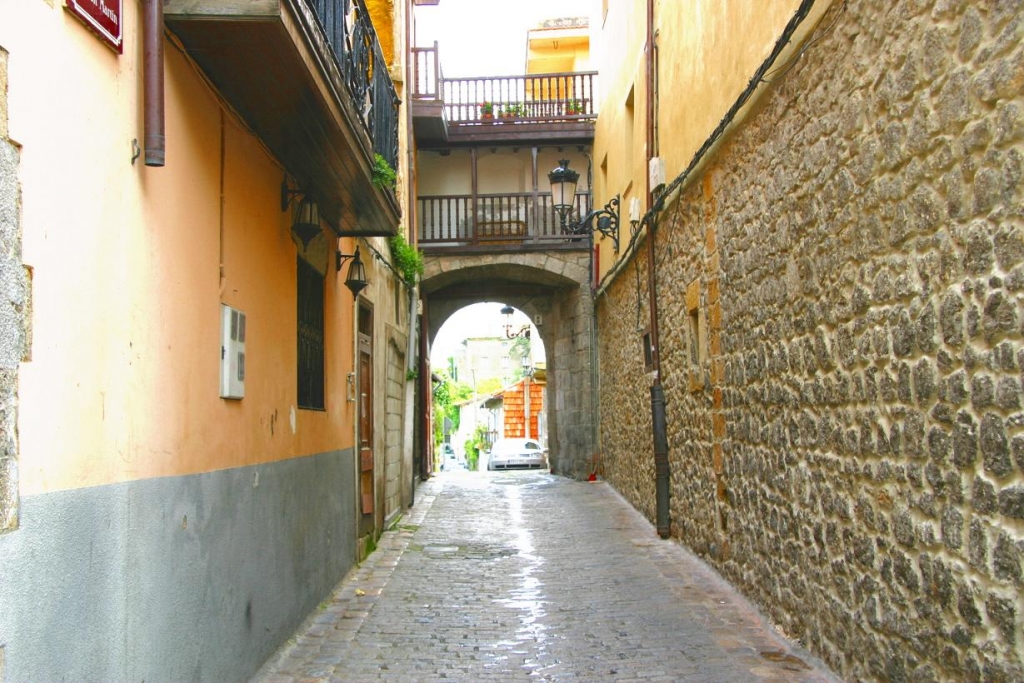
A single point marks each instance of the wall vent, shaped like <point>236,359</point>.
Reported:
<point>232,352</point>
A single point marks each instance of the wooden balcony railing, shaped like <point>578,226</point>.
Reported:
<point>492,218</point>
<point>426,73</point>
<point>548,97</point>
<point>348,28</point>
<point>532,98</point>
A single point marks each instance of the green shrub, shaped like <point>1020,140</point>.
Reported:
<point>383,175</point>
<point>408,260</point>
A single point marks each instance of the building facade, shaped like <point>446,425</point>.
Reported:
<point>185,371</point>
<point>837,308</point>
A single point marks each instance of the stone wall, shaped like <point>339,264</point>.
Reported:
<point>841,299</point>
<point>13,303</point>
<point>554,285</point>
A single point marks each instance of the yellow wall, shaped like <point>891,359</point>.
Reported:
<point>702,69</point>
<point>558,50</point>
<point>123,378</point>
<point>382,14</point>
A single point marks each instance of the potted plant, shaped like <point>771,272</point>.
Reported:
<point>486,110</point>
<point>573,107</point>
<point>513,111</point>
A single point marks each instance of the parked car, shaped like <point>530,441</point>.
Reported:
<point>507,454</point>
<point>449,460</point>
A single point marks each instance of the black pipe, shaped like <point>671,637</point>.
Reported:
<point>659,428</point>
<point>153,80</point>
<point>662,490</point>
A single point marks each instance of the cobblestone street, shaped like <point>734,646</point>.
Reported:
<point>526,576</point>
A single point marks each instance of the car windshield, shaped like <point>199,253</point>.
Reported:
<point>502,446</point>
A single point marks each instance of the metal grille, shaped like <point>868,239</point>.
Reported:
<point>349,30</point>
<point>311,336</point>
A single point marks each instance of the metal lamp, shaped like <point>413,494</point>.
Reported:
<point>563,197</point>
<point>306,221</point>
<point>563,188</point>
<point>507,311</point>
<point>356,280</point>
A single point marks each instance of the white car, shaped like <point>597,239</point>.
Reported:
<point>449,460</point>
<point>507,454</point>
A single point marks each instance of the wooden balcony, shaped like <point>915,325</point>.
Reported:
<point>541,108</point>
<point>309,78</point>
<point>495,222</point>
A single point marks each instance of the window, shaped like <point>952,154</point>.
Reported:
<point>311,336</point>
<point>648,352</point>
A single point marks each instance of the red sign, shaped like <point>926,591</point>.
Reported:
<point>102,16</point>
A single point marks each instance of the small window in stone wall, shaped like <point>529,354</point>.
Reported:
<point>693,338</point>
<point>648,352</point>
<point>695,351</point>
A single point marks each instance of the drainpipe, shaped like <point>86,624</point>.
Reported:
<point>153,80</point>
<point>526,404</point>
<point>658,420</point>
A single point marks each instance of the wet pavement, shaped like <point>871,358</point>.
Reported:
<point>521,576</point>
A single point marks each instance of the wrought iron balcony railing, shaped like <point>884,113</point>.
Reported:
<point>347,26</point>
<point>507,218</point>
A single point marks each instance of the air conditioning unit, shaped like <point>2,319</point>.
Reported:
<point>232,352</point>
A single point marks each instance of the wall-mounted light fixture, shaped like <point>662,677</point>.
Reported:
<point>356,280</point>
<point>306,221</point>
<point>524,331</point>
<point>634,215</point>
<point>563,197</point>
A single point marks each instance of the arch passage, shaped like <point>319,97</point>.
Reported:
<point>556,288</point>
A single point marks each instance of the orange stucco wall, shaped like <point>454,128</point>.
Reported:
<point>127,273</point>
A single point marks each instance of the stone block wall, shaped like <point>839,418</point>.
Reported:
<point>558,292</point>
<point>13,306</point>
<point>841,299</point>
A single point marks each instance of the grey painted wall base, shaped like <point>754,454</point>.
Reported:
<point>183,578</point>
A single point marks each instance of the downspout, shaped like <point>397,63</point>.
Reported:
<point>658,420</point>
<point>526,404</point>
<point>426,405</point>
<point>153,80</point>
<point>417,359</point>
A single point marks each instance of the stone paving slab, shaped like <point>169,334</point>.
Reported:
<point>522,576</point>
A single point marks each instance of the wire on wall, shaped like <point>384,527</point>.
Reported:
<point>650,218</point>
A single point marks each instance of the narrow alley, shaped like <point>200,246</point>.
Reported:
<point>529,576</point>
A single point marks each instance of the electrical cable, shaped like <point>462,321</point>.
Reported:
<point>650,218</point>
<point>380,257</point>
<point>818,35</point>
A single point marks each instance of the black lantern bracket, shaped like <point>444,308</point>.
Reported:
<point>563,182</point>
<point>356,280</point>
<point>604,221</point>
<point>524,331</point>
<point>306,219</point>
<point>341,258</point>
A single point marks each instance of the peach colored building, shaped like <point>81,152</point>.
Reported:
<point>201,419</point>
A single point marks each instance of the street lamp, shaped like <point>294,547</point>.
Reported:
<point>563,182</point>
<point>524,331</point>
<point>356,279</point>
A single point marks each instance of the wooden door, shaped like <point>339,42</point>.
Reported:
<point>365,389</point>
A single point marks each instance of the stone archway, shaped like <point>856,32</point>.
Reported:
<point>556,287</point>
